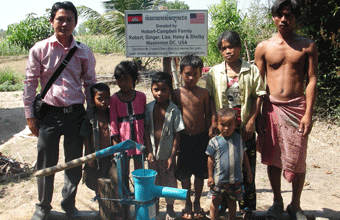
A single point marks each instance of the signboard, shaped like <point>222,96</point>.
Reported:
<point>166,33</point>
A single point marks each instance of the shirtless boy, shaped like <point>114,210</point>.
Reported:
<point>96,132</point>
<point>286,60</point>
<point>192,160</point>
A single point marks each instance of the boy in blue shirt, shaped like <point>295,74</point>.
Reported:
<point>226,156</point>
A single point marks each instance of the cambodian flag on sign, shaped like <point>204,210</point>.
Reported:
<point>135,19</point>
<point>197,18</point>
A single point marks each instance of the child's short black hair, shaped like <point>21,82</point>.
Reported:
<point>127,67</point>
<point>162,77</point>
<point>99,87</point>
<point>193,61</point>
<point>232,37</point>
<point>293,4</point>
<point>229,112</point>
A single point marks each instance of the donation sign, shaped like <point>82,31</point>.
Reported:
<point>166,33</point>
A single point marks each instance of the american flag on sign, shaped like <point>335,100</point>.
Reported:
<point>197,18</point>
<point>135,19</point>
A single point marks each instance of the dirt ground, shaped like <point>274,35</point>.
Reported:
<point>321,193</point>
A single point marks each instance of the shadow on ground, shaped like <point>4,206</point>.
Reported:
<point>12,121</point>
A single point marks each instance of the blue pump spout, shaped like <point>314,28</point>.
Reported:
<point>146,190</point>
<point>169,192</point>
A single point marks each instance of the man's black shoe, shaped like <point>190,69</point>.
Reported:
<point>72,212</point>
<point>40,215</point>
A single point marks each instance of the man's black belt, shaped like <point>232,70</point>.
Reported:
<point>65,110</point>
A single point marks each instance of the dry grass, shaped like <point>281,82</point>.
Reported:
<point>105,63</point>
<point>15,63</point>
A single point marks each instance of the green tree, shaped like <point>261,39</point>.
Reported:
<point>320,22</point>
<point>92,26</point>
<point>223,16</point>
<point>257,25</point>
<point>122,5</point>
<point>178,5</point>
<point>2,33</point>
<point>253,26</point>
<point>28,31</point>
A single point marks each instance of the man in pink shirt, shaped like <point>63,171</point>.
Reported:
<point>65,101</point>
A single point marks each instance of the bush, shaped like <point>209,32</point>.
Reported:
<point>102,44</point>
<point>10,81</point>
<point>320,22</point>
<point>9,49</point>
<point>224,16</point>
<point>29,31</point>
<point>257,26</point>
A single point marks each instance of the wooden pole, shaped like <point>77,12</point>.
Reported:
<point>247,50</point>
<point>174,72</point>
<point>64,166</point>
<point>122,146</point>
<point>167,65</point>
<point>105,192</point>
<point>166,60</point>
<point>108,189</point>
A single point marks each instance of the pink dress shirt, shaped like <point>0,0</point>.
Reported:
<point>44,58</point>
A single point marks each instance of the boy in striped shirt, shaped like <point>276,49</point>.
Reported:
<point>226,156</point>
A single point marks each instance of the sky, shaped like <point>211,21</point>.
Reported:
<point>15,11</point>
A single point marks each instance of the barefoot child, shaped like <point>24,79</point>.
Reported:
<point>192,160</point>
<point>237,84</point>
<point>226,155</point>
<point>127,110</point>
<point>96,132</point>
<point>162,126</point>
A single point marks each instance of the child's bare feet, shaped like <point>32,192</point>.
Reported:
<point>198,211</point>
<point>187,211</point>
<point>170,213</point>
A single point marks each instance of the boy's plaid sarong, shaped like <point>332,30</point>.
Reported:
<point>282,145</point>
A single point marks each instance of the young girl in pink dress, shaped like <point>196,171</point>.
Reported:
<point>127,109</point>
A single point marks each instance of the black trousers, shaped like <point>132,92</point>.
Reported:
<point>55,124</point>
<point>249,199</point>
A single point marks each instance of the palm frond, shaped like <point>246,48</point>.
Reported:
<point>113,19</point>
<point>122,5</point>
<point>142,4</point>
<point>87,13</point>
<point>114,26</point>
<point>116,5</point>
